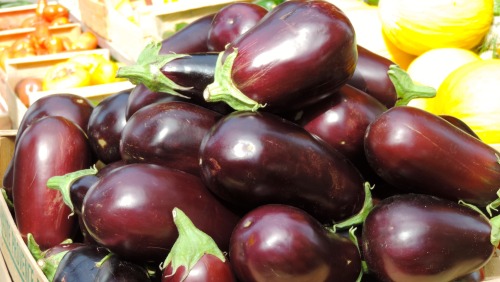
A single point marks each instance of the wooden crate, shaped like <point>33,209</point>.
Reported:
<point>117,30</point>
<point>154,21</point>
<point>20,68</point>
<point>71,30</point>
<point>162,19</point>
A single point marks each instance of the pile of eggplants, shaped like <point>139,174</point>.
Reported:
<point>256,145</point>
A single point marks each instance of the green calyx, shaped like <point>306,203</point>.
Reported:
<point>190,246</point>
<point>223,88</point>
<point>10,204</point>
<point>360,217</point>
<point>406,89</point>
<point>147,70</point>
<point>494,221</point>
<point>62,183</point>
<point>48,265</point>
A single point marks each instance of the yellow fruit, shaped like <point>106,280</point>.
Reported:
<point>471,94</point>
<point>105,72</point>
<point>368,27</point>
<point>433,66</point>
<point>418,26</point>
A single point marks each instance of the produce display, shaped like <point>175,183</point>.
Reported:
<point>264,142</point>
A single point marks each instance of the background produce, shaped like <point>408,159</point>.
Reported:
<point>320,180</point>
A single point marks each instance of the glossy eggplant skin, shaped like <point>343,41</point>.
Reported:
<point>51,146</point>
<point>371,77</point>
<point>277,67</point>
<point>460,124</point>
<point>251,158</point>
<point>407,238</point>
<point>81,265</point>
<point>141,96</point>
<point>74,108</point>
<point>232,21</point>
<point>79,188</point>
<point>105,126</point>
<point>419,152</point>
<point>283,243</point>
<point>208,269</point>
<point>191,39</point>
<point>341,121</point>
<point>129,211</point>
<point>70,106</point>
<point>168,134</point>
<point>195,71</point>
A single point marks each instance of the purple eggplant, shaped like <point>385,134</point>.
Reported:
<point>190,39</point>
<point>370,76</point>
<point>51,146</point>
<point>194,256</point>
<point>232,21</point>
<point>417,237</point>
<point>141,96</point>
<point>460,124</point>
<point>288,60</point>
<point>93,263</point>
<point>105,126</point>
<point>250,158</point>
<point>419,152</point>
<point>75,185</point>
<point>72,107</point>
<point>129,210</point>
<point>167,134</point>
<point>385,81</point>
<point>184,79</point>
<point>341,121</point>
<point>283,243</point>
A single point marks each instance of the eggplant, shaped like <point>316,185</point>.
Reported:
<point>93,263</point>
<point>105,126</point>
<point>342,120</point>
<point>184,79</point>
<point>168,134</point>
<point>232,21</point>
<point>75,185</point>
<point>370,76</point>
<point>128,211</point>
<point>288,60</point>
<point>386,81</point>
<point>418,237</point>
<point>194,256</point>
<point>141,96</point>
<point>419,152</point>
<point>190,39</point>
<point>460,124</point>
<point>51,146</point>
<point>252,158</point>
<point>72,107</point>
<point>284,243</point>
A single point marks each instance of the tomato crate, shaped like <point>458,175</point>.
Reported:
<point>11,18</point>
<point>16,69</point>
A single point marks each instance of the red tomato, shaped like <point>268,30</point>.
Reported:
<point>53,11</point>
